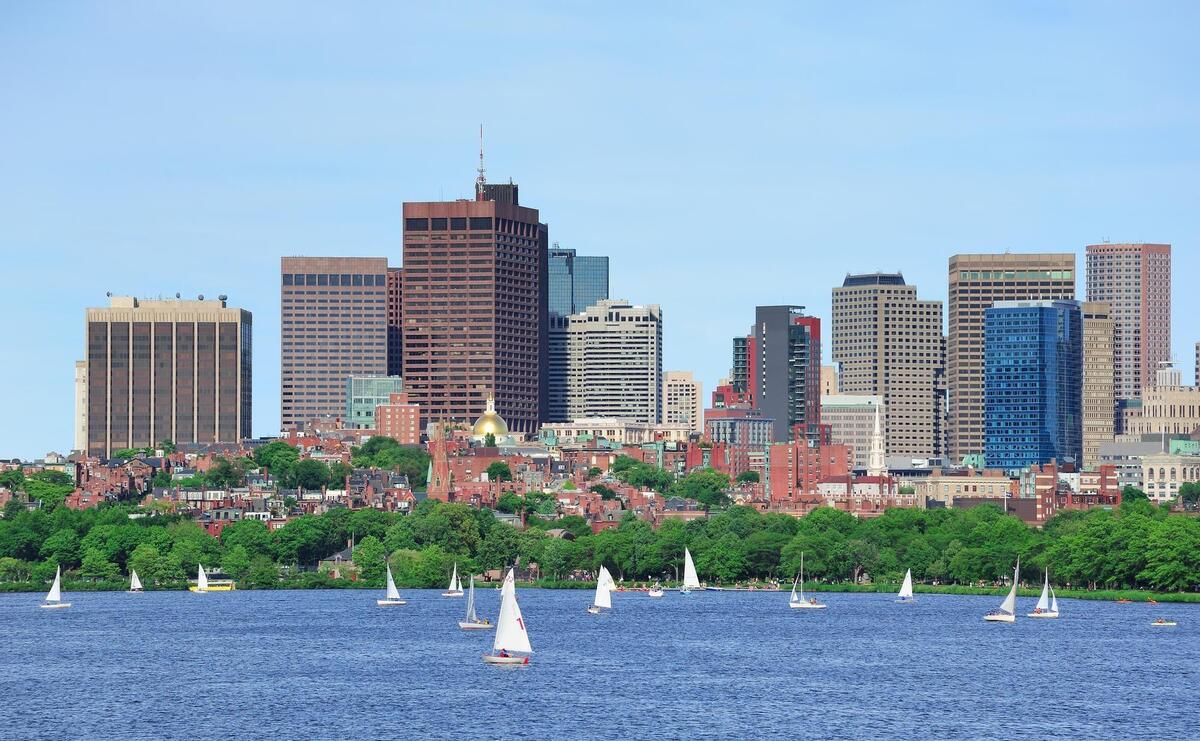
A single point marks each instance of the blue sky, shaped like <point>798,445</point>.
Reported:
<point>723,157</point>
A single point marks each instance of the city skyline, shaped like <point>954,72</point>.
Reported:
<point>214,203</point>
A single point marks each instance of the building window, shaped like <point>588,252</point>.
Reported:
<point>416,225</point>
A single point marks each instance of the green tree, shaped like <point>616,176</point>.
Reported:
<point>1173,555</point>
<point>338,472</point>
<point>386,453</point>
<point>161,480</point>
<point>225,475</point>
<point>1131,493</point>
<point>370,558</point>
<point>489,440</point>
<point>13,570</point>
<point>236,563</point>
<point>308,474</point>
<point>263,574</point>
<point>167,446</point>
<point>252,535</point>
<point>508,503</point>
<point>593,472</point>
<point>62,548</point>
<point>605,492</point>
<point>705,486</point>
<point>499,471</point>
<point>748,477</point>
<point>97,566</point>
<point>13,480</point>
<point>277,457</point>
<point>144,560</point>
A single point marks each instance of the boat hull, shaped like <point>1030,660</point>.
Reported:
<point>1000,618</point>
<point>452,594</point>
<point>654,594</point>
<point>390,602</point>
<point>475,626</point>
<point>806,606</point>
<point>505,660</point>
<point>1152,625</point>
<point>902,601</point>
<point>220,588</point>
<point>1042,615</point>
<point>135,591</point>
<point>593,610</point>
<point>54,605</point>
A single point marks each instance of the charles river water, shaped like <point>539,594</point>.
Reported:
<point>330,664</point>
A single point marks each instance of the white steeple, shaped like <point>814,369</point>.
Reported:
<point>876,461</point>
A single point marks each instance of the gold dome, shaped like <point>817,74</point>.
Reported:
<point>490,423</point>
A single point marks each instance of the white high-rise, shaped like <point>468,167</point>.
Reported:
<point>615,362</point>
<point>683,400</point>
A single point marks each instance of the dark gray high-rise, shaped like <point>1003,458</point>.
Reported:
<point>788,383</point>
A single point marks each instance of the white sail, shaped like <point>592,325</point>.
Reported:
<point>801,576</point>
<point>906,591</point>
<point>1053,601</point>
<point>1009,605</point>
<point>794,583</point>
<point>471,618</point>
<point>55,593</point>
<point>604,584</point>
<point>454,580</point>
<point>510,627</point>
<point>201,579</point>
<point>1043,602</point>
<point>392,592</point>
<point>134,582</point>
<point>690,579</point>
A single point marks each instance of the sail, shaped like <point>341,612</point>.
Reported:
<point>454,580</point>
<point>510,627</point>
<point>794,583</point>
<point>392,592</point>
<point>201,578</point>
<point>690,580</point>
<point>1043,602</point>
<point>1053,601</point>
<point>801,576</point>
<point>134,581</point>
<point>55,593</point>
<point>1009,605</point>
<point>906,591</point>
<point>604,584</point>
<point>471,603</point>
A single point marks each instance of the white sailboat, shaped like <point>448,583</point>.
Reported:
<point>473,621</point>
<point>201,581</point>
<point>906,591</point>
<point>53,599</point>
<point>800,602</point>
<point>691,582</point>
<point>1047,605</point>
<point>455,588</point>
<point>393,594</point>
<point>135,584</point>
<point>604,587</point>
<point>655,591</point>
<point>1007,613</point>
<point>511,645</point>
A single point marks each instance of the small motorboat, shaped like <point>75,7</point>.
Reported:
<point>1161,623</point>
<point>655,591</point>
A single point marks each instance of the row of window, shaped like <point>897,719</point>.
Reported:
<point>334,279</point>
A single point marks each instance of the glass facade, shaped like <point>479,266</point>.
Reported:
<point>576,282</point>
<point>1033,388</point>
<point>363,394</point>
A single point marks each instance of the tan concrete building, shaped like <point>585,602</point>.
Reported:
<point>829,380</point>
<point>1162,473</point>
<point>851,420</point>
<point>166,370</point>
<point>1135,281</point>
<point>683,400</point>
<point>889,343</point>
<point>977,282</point>
<point>614,362</point>
<point>1168,407</point>
<point>1098,397</point>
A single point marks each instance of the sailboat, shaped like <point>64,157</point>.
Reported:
<point>473,621</point>
<point>53,599</point>
<point>455,588</point>
<point>801,602</point>
<point>135,584</point>
<point>604,587</point>
<point>201,586</point>
<point>1047,604</point>
<point>691,582</point>
<point>906,593</point>
<point>393,594</point>
<point>1008,608</point>
<point>655,591</point>
<point>512,641</point>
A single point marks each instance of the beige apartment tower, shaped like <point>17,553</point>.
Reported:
<point>165,370</point>
<point>614,362</point>
<point>889,343</point>
<point>683,400</point>
<point>1135,281</point>
<point>976,282</point>
<point>1098,399</point>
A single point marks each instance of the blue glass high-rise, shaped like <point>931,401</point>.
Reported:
<point>1033,383</point>
<point>575,283</point>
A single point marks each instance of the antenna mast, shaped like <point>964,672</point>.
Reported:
<point>481,180</point>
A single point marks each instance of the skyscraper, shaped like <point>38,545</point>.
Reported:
<point>166,370</point>
<point>575,283</point>
<point>1135,281</point>
<point>334,325</point>
<point>889,343</point>
<point>683,400</point>
<point>1033,403</point>
<point>474,307</point>
<point>615,362</point>
<point>977,282</point>
<point>1098,427</point>
<point>786,345</point>
<point>395,340</point>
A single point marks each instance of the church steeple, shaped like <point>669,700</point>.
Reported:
<point>876,460</point>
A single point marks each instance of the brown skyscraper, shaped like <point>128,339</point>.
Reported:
<point>474,307</point>
<point>1135,281</point>
<point>166,370</point>
<point>977,282</point>
<point>334,325</point>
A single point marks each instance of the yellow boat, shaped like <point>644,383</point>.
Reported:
<point>204,585</point>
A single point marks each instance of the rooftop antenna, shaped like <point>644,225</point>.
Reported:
<point>481,180</point>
